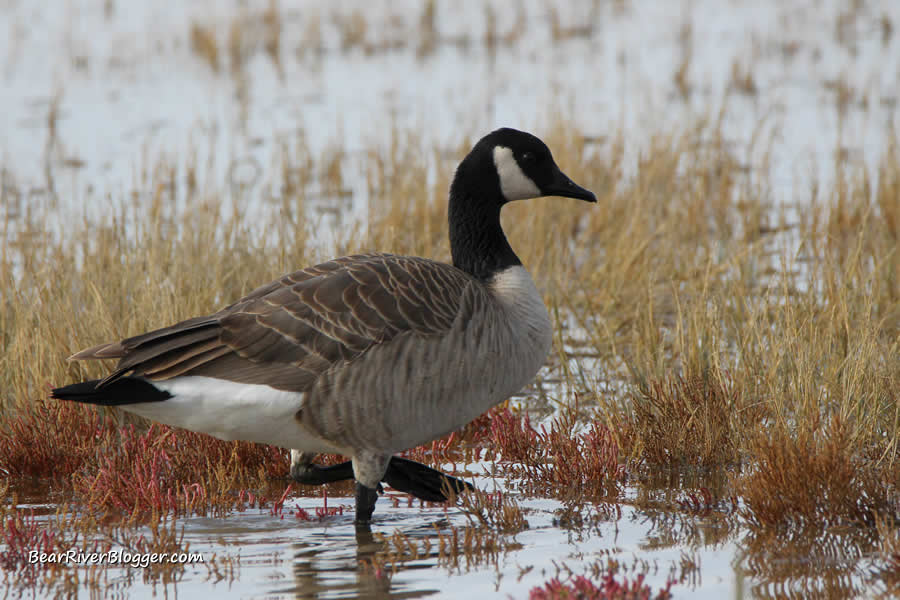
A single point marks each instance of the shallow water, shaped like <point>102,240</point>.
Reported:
<point>95,94</point>
<point>281,556</point>
<point>655,531</point>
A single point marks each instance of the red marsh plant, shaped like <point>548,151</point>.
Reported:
<point>20,534</point>
<point>137,476</point>
<point>127,471</point>
<point>512,436</point>
<point>606,588</point>
<point>464,446</point>
<point>573,463</point>
<point>568,460</point>
<point>171,470</point>
<point>51,439</point>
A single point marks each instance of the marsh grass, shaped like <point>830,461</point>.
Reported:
<point>205,45</point>
<point>259,30</point>
<point>815,478</point>
<point>696,422</point>
<point>735,339</point>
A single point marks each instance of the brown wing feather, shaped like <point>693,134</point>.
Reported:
<point>288,332</point>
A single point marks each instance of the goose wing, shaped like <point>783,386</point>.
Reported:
<point>288,332</point>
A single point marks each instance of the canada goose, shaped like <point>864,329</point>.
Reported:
<point>362,355</point>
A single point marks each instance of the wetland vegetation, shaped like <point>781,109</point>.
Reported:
<point>724,379</point>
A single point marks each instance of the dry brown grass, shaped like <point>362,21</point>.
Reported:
<point>248,32</point>
<point>728,322</point>
<point>742,79</point>
<point>427,30</point>
<point>204,44</point>
<point>464,548</point>
<point>824,565</point>
<point>681,77</point>
<point>815,479</point>
<point>692,422</point>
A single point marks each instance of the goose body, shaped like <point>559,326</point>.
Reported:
<point>363,355</point>
<point>430,379</point>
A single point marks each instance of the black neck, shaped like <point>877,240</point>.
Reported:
<point>477,242</point>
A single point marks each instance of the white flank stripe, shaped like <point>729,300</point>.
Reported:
<point>232,411</point>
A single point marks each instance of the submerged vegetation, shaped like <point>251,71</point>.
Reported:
<point>726,366</point>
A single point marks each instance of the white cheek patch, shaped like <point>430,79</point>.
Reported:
<point>514,184</point>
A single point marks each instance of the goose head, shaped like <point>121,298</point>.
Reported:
<point>515,165</point>
<point>504,166</point>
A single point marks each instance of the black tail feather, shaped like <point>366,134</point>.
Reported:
<point>128,390</point>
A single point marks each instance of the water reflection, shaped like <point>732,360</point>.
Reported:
<point>342,565</point>
<point>808,564</point>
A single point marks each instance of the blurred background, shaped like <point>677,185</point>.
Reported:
<point>95,94</point>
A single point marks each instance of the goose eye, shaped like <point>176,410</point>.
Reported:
<point>528,158</point>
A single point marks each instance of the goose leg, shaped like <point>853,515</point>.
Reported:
<point>368,470</point>
<point>365,504</point>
